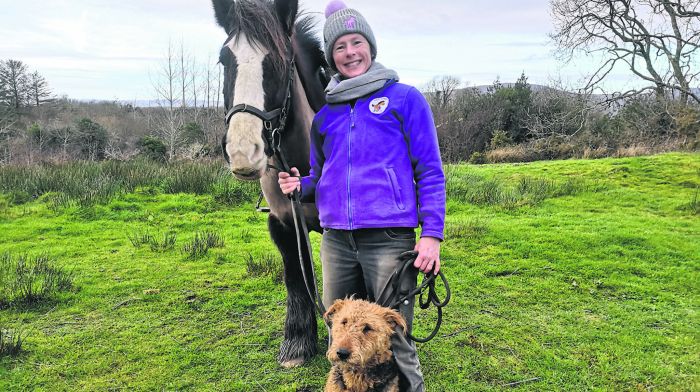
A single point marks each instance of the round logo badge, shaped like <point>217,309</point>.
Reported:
<point>379,105</point>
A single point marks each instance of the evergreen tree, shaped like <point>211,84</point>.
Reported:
<point>14,80</point>
<point>39,91</point>
<point>92,138</point>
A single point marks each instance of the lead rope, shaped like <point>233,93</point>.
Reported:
<point>428,284</point>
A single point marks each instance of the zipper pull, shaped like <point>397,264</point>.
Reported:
<point>352,117</point>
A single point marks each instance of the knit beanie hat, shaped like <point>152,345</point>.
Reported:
<point>341,20</point>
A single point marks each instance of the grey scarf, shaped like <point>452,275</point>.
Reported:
<point>343,90</point>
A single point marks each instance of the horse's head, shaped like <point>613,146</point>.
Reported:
<point>256,59</point>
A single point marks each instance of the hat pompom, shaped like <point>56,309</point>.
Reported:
<point>334,6</point>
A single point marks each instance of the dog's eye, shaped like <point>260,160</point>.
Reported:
<point>344,322</point>
<point>367,329</point>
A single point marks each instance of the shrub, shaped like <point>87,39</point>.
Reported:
<point>92,138</point>
<point>510,154</point>
<point>500,139</point>
<point>27,280</point>
<point>477,158</point>
<point>153,148</point>
<point>193,132</point>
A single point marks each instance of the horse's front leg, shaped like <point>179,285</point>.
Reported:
<point>300,333</point>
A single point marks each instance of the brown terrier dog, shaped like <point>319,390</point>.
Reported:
<point>361,349</point>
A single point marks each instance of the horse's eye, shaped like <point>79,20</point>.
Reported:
<point>367,329</point>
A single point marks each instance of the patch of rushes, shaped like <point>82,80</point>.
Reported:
<point>266,265</point>
<point>694,205</point>
<point>28,280</point>
<point>201,243</point>
<point>140,238</point>
<point>10,342</point>
<point>507,193</point>
<point>231,192</point>
<point>157,243</point>
<point>166,242</point>
<point>246,236</point>
<point>90,183</point>
<point>471,229</point>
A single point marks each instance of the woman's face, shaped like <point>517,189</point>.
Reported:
<point>352,55</point>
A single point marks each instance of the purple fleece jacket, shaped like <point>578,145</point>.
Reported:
<point>377,164</point>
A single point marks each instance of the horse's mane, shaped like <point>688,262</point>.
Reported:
<point>257,20</point>
<point>308,41</point>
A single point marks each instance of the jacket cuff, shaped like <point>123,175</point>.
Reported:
<point>434,234</point>
<point>308,191</point>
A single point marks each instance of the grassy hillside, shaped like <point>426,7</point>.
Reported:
<point>568,275</point>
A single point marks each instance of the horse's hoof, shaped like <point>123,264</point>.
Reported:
<point>292,363</point>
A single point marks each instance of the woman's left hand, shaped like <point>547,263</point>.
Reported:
<point>428,249</point>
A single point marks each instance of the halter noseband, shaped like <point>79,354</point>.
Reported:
<point>271,136</point>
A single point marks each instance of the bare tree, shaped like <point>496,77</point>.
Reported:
<point>441,89</point>
<point>169,119</point>
<point>556,113</point>
<point>656,39</point>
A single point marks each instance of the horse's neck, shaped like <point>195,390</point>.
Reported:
<point>296,135</point>
<point>308,73</point>
<point>302,108</point>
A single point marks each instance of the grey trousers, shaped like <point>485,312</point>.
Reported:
<point>361,263</point>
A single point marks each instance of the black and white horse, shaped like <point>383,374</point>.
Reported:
<point>263,39</point>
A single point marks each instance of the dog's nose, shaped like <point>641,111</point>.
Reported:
<point>343,354</point>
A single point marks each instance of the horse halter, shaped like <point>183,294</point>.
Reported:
<point>271,135</point>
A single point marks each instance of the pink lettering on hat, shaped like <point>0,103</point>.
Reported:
<point>350,23</point>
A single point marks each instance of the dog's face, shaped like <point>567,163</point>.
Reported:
<point>361,332</point>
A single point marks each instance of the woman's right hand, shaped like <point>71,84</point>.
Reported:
<point>289,182</point>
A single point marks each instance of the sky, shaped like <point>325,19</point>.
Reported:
<point>112,50</point>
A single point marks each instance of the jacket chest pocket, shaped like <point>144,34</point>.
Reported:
<point>396,188</point>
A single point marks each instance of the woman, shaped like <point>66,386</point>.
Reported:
<point>375,176</point>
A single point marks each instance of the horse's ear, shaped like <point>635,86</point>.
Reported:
<point>287,13</point>
<point>223,10</point>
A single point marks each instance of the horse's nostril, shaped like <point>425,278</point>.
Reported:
<point>343,354</point>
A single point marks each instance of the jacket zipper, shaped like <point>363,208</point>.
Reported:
<point>352,125</point>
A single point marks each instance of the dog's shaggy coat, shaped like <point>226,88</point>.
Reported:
<point>360,351</point>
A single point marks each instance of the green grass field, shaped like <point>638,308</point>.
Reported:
<point>568,275</point>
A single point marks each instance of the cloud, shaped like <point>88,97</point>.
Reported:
<point>82,46</point>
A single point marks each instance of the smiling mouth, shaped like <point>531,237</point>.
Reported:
<point>353,63</point>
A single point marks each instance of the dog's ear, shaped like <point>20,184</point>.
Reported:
<point>395,319</point>
<point>337,305</point>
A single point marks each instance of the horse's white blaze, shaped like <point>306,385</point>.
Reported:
<point>244,144</point>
